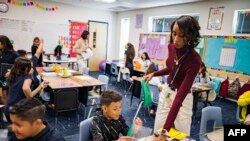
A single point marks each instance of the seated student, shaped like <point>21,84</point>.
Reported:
<point>203,75</point>
<point>145,59</point>
<point>27,122</point>
<point>34,47</point>
<point>154,81</point>
<point>34,59</point>
<point>108,124</point>
<point>58,51</point>
<point>20,82</point>
<point>244,103</point>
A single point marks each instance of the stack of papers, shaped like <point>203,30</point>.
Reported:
<point>49,74</point>
<point>83,77</point>
<point>175,134</point>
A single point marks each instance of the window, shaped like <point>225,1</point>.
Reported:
<point>163,23</point>
<point>125,23</point>
<point>241,21</point>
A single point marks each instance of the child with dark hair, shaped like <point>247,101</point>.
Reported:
<point>27,122</point>
<point>58,51</point>
<point>21,53</point>
<point>20,82</point>
<point>35,60</point>
<point>109,124</point>
<point>36,43</point>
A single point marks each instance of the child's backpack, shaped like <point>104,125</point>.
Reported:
<point>224,88</point>
<point>234,88</point>
<point>217,85</point>
<point>244,88</point>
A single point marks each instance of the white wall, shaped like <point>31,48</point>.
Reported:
<point>63,15</point>
<point>199,7</point>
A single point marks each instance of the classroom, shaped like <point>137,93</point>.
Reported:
<point>146,70</point>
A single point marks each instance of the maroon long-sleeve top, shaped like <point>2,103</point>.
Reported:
<point>184,79</point>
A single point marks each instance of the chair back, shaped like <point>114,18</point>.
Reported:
<point>104,79</point>
<point>125,73</point>
<point>66,100</point>
<point>210,113</point>
<point>85,70</point>
<point>114,69</point>
<point>154,93</point>
<point>85,129</point>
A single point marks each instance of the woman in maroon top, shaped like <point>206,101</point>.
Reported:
<point>183,64</point>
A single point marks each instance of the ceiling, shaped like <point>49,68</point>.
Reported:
<point>123,5</point>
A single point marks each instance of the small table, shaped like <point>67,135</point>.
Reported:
<point>66,60</point>
<point>82,82</point>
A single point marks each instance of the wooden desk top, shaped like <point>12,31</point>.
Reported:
<point>142,70</point>
<point>86,80</point>
<point>119,63</point>
<point>59,82</point>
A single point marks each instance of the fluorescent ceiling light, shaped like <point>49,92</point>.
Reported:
<point>106,1</point>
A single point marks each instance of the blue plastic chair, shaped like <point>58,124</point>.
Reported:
<point>85,129</point>
<point>210,113</point>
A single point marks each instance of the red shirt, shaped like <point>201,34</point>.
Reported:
<point>184,79</point>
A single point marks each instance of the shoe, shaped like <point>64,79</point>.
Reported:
<point>51,106</point>
<point>152,113</point>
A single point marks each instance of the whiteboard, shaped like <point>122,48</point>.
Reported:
<point>227,56</point>
<point>22,33</point>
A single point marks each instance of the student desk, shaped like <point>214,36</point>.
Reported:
<point>71,61</point>
<point>82,82</point>
<point>137,72</point>
<point>136,92</point>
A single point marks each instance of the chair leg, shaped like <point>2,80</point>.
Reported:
<point>90,110</point>
<point>56,118</point>
<point>137,111</point>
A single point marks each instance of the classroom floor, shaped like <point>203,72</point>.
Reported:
<point>67,122</point>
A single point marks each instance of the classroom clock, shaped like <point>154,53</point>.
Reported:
<point>3,7</point>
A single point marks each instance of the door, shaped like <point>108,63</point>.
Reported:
<point>98,42</point>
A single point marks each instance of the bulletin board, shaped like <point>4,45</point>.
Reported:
<point>156,45</point>
<point>22,33</point>
<point>229,53</point>
<point>201,47</point>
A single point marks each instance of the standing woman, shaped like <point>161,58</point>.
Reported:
<point>34,47</point>
<point>183,64</point>
<point>81,46</point>
<point>129,57</point>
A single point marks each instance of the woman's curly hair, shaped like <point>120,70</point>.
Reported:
<point>189,26</point>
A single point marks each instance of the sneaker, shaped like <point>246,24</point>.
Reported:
<point>152,113</point>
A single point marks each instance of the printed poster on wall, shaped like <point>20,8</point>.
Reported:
<point>75,31</point>
<point>215,18</point>
<point>227,56</point>
<point>154,44</point>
